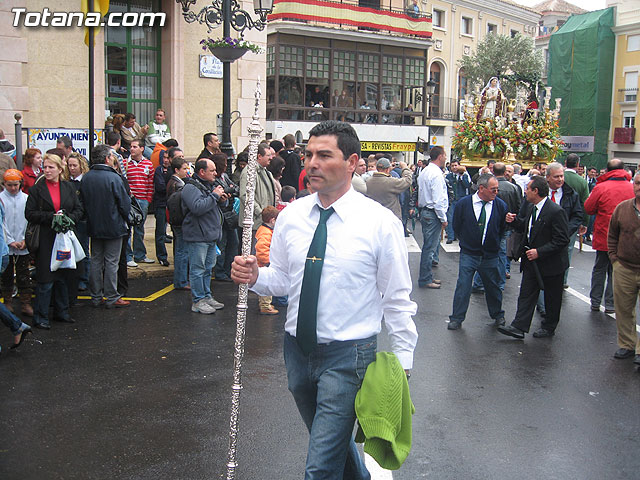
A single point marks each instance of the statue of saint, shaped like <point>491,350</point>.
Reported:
<point>490,100</point>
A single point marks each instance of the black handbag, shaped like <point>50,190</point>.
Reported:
<point>230,219</point>
<point>135,214</point>
<point>32,237</point>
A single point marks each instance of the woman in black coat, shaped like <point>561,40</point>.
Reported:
<point>49,195</point>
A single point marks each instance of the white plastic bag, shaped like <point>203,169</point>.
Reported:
<point>62,254</point>
<point>77,247</point>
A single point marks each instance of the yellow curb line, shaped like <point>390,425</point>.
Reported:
<point>149,298</point>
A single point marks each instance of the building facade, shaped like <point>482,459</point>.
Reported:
<point>44,72</point>
<point>623,139</point>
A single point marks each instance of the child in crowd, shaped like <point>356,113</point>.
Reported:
<point>287,195</point>
<point>263,244</point>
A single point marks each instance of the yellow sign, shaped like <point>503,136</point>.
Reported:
<point>388,146</point>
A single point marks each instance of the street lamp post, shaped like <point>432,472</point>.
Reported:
<point>230,14</point>
<point>431,88</point>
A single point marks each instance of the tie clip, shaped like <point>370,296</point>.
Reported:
<point>313,259</point>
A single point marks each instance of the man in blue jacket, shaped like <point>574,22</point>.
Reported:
<point>201,229</point>
<point>479,222</point>
<point>107,205</point>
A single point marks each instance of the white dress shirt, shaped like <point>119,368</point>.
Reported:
<point>477,207</point>
<point>432,191</point>
<point>558,196</point>
<point>365,276</point>
<point>538,207</point>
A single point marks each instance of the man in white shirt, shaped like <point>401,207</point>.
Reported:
<point>364,276</point>
<point>433,203</point>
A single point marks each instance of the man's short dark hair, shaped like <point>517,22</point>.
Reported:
<point>288,192</point>
<point>289,140</point>
<point>57,151</point>
<point>615,164</point>
<point>128,116</point>
<point>435,152</point>
<point>172,151</point>
<point>201,164</point>
<point>276,145</point>
<point>499,169</point>
<point>491,161</point>
<point>65,140</point>
<point>177,162</point>
<point>100,153</point>
<point>483,180</point>
<point>207,138</point>
<point>138,141</point>
<point>112,138</point>
<point>540,183</point>
<point>454,160</point>
<point>170,143</point>
<point>572,161</point>
<point>346,137</point>
<point>592,168</point>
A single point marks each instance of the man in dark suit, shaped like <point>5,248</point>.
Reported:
<point>543,262</point>
<point>479,222</point>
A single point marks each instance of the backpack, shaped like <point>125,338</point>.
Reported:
<point>174,203</point>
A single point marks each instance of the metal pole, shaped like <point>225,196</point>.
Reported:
<point>91,86</point>
<point>226,146</point>
<point>18,133</point>
<point>255,133</point>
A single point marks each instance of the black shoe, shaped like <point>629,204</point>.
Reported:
<point>609,310</point>
<point>636,360</point>
<point>24,331</point>
<point>565,286</point>
<point>64,320</point>
<point>477,290</point>
<point>511,331</point>
<point>164,263</point>
<point>453,325</point>
<point>449,242</point>
<point>434,264</point>
<point>498,322</point>
<point>623,353</point>
<point>543,333</point>
<point>42,326</point>
<point>168,237</point>
<point>595,309</point>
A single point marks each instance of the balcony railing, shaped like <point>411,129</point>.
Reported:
<point>354,15</point>
<point>439,108</point>
<point>627,95</point>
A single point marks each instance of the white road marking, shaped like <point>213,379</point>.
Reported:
<point>412,245</point>
<point>376,471</point>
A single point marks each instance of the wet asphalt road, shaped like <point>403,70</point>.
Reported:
<point>144,393</point>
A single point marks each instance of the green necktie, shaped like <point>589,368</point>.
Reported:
<point>308,305</point>
<point>482,220</point>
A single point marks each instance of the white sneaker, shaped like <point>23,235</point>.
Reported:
<point>214,303</point>
<point>203,307</point>
<point>131,264</point>
<point>147,260</point>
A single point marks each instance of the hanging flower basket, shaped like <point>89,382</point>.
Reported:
<point>228,54</point>
<point>229,49</point>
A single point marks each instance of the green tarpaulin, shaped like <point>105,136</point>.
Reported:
<point>581,57</point>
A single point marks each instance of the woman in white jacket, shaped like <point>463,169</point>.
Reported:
<point>15,225</point>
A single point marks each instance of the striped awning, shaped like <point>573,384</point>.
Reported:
<point>349,14</point>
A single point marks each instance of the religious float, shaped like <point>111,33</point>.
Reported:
<point>508,131</point>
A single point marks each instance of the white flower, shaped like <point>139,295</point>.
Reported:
<point>492,147</point>
<point>530,128</point>
<point>534,148</point>
<point>520,149</point>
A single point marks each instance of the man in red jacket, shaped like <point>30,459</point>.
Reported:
<point>611,189</point>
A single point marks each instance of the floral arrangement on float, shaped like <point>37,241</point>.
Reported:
<point>511,131</point>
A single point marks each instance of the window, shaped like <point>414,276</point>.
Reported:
<point>463,84</point>
<point>629,119</point>
<point>514,33</point>
<point>467,26</point>
<point>438,18</point>
<point>633,43</point>
<point>491,28</point>
<point>132,64</point>
<point>630,86</point>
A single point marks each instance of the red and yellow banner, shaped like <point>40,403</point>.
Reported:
<point>346,14</point>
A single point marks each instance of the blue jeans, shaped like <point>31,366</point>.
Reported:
<point>180,259</point>
<point>139,251</point>
<point>202,258</point>
<point>8,318</point>
<point>504,265</point>
<point>431,228</point>
<point>324,386</point>
<point>489,271</point>
<point>43,300</point>
<point>449,230</point>
<point>161,233</point>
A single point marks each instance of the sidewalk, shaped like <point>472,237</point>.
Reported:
<point>153,270</point>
